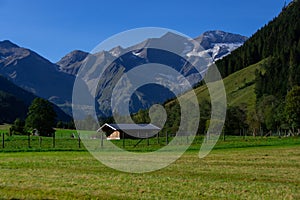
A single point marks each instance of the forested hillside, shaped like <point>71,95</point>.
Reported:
<point>280,40</point>
<point>11,108</point>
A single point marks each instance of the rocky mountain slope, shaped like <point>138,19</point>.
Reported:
<point>71,62</point>
<point>35,74</point>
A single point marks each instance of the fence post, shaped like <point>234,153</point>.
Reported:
<point>3,143</point>
<point>123,138</point>
<point>53,142</point>
<point>79,141</point>
<point>261,132</point>
<point>158,138</point>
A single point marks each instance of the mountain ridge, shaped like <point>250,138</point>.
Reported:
<point>32,72</point>
<point>210,46</point>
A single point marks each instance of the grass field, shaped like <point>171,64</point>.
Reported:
<point>265,169</point>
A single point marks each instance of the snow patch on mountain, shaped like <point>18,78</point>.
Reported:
<point>217,52</point>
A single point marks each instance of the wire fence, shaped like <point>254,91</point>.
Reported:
<point>74,142</point>
<point>29,142</point>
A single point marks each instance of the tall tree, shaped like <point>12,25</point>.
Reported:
<point>292,108</point>
<point>235,120</point>
<point>41,117</point>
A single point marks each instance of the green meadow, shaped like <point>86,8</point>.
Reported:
<point>250,168</point>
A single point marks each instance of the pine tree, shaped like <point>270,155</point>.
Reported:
<point>292,108</point>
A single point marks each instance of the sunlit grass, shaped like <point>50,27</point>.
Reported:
<point>244,173</point>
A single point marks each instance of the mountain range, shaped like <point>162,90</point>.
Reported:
<point>217,44</point>
<point>54,81</point>
<point>118,61</point>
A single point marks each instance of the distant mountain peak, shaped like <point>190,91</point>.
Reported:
<point>7,44</point>
<point>71,62</point>
<point>116,51</point>
<point>117,48</point>
<point>208,38</point>
<point>170,35</point>
<point>219,44</point>
<point>72,57</point>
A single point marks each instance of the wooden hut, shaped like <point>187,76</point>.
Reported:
<point>133,131</point>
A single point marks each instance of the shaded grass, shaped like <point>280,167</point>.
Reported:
<point>249,173</point>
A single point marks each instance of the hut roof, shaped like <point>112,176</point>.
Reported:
<point>129,127</point>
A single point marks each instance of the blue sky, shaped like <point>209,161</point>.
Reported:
<point>55,27</point>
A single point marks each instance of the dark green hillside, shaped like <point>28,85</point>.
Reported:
<point>280,40</point>
<point>14,102</point>
<point>11,108</point>
<point>8,87</point>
